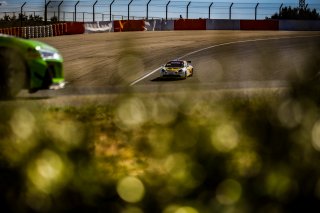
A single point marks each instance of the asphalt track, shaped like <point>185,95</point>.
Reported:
<point>113,63</point>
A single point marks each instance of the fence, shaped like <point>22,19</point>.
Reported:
<point>107,10</point>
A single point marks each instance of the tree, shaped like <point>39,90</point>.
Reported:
<point>23,17</point>
<point>54,19</point>
<point>296,13</point>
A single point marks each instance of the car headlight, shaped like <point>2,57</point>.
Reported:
<point>181,70</point>
<point>48,54</point>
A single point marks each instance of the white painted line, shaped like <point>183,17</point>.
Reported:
<point>219,45</point>
<point>144,76</point>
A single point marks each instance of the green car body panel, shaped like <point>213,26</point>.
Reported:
<point>41,60</point>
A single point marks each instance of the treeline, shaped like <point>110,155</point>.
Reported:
<point>24,20</point>
<point>297,13</point>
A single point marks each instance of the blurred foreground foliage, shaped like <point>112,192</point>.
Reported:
<point>176,153</point>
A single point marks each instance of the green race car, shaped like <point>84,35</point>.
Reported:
<point>28,64</point>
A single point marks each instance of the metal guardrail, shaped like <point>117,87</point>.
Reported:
<point>103,10</point>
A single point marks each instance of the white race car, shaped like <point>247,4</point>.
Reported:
<point>177,68</point>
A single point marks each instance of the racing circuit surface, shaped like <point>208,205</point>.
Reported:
<point>107,63</point>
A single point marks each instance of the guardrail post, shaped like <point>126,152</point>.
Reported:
<point>59,10</point>
<point>210,9</point>
<point>188,9</point>
<point>255,11</point>
<point>230,10</point>
<point>147,16</point>
<point>21,16</point>
<point>167,10</point>
<point>93,12</point>
<point>129,9</point>
<point>75,11</point>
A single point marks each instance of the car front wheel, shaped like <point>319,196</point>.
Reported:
<point>12,73</point>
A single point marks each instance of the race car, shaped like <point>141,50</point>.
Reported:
<point>177,68</point>
<point>28,64</point>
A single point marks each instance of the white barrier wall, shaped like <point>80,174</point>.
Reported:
<point>299,25</point>
<point>220,24</point>
<point>167,25</point>
<point>152,25</point>
<point>100,26</point>
<point>159,25</point>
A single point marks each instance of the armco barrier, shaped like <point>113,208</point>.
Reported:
<point>74,28</point>
<point>259,25</point>
<point>221,24</point>
<point>190,24</point>
<point>129,25</point>
<point>299,25</point>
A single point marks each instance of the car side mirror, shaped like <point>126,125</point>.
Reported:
<point>189,62</point>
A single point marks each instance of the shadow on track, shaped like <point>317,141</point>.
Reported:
<point>167,79</point>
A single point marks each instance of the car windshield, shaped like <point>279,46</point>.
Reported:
<point>175,64</point>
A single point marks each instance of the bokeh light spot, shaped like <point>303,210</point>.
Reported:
<point>131,113</point>
<point>47,171</point>
<point>280,185</point>
<point>290,113</point>
<point>246,163</point>
<point>316,136</point>
<point>225,138</point>
<point>131,189</point>
<point>132,209</point>
<point>229,192</point>
<point>68,134</point>
<point>176,163</point>
<point>163,111</point>
<point>22,123</point>
<point>186,209</point>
